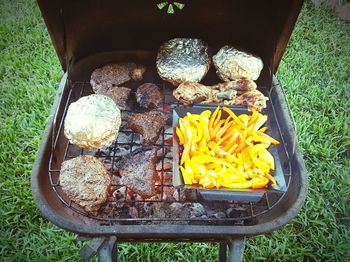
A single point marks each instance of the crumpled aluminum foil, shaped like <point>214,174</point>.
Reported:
<point>183,60</point>
<point>232,64</point>
<point>92,122</point>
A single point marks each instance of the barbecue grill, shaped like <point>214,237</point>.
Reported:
<point>89,34</point>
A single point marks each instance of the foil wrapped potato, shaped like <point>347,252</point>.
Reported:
<point>92,122</point>
<point>183,60</point>
<point>231,64</point>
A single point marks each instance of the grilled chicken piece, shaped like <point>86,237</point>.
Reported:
<point>119,95</point>
<point>138,172</point>
<point>240,86</point>
<point>148,124</point>
<point>252,99</point>
<point>148,96</point>
<point>190,93</point>
<point>111,75</point>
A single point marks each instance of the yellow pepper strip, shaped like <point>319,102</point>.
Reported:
<point>198,128</point>
<point>261,165</point>
<point>240,185</point>
<point>272,179</point>
<point>183,129</point>
<point>259,182</point>
<point>263,129</point>
<point>244,118</point>
<point>212,118</point>
<point>222,130</point>
<point>204,123</point>
<point>207,182</point>
<point>246,158</point>
<point>186,177</point>
<point>241,143</point>
<point>217,119</point>
<point>180,136</point>
<point>217,127</point>
<point>272,140</point>
<point>232,149</point>
<point>267,158</point>
<point>225,138</point>
<point>235,118</point>
<point>254,117</point>
<point>230,143</point>
<point>255,150</point>
<point>260,121</point>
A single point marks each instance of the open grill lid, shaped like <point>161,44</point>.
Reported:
<point>82,28</point>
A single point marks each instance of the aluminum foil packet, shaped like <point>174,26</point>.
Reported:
<point>92,122</point>
<point>231,64</point>
<point>183,60</point>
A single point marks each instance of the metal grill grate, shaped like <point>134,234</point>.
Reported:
<point>117,209</point>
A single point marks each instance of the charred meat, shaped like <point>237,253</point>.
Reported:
<point>138,172</point>
<point>148,96</point>
<point>119,95</point>
<point>110,75</point>
<point>148,124</point>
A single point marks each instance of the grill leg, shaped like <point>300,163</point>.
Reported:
<point>236,247</point>
<point>106,248</point>
<point>222,252</point>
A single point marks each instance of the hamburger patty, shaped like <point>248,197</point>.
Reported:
<point>85,180</point>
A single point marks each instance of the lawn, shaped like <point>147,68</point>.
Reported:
<point>315,73</point>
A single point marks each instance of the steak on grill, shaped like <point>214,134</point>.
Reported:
<point>148,124</point>
<point>111,75</point>
<point>138,172</point>
<point>119,95</point>
<point>148,96</point>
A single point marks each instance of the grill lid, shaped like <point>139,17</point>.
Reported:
<point>82,28</point>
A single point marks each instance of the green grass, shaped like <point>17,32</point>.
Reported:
<point>316,74</point>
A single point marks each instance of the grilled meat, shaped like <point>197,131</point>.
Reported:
<point>190,93</point>
<point>148,96</point>
<point>240,86</point>
<point>119,95</point>
<point>253,98</point>
<point>222,93</point>
<point>110,75</point>
<point>138,172</point>
<point>85,181</point>
<point>148,124</point>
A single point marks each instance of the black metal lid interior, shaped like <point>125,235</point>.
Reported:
<point>80,29</point>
